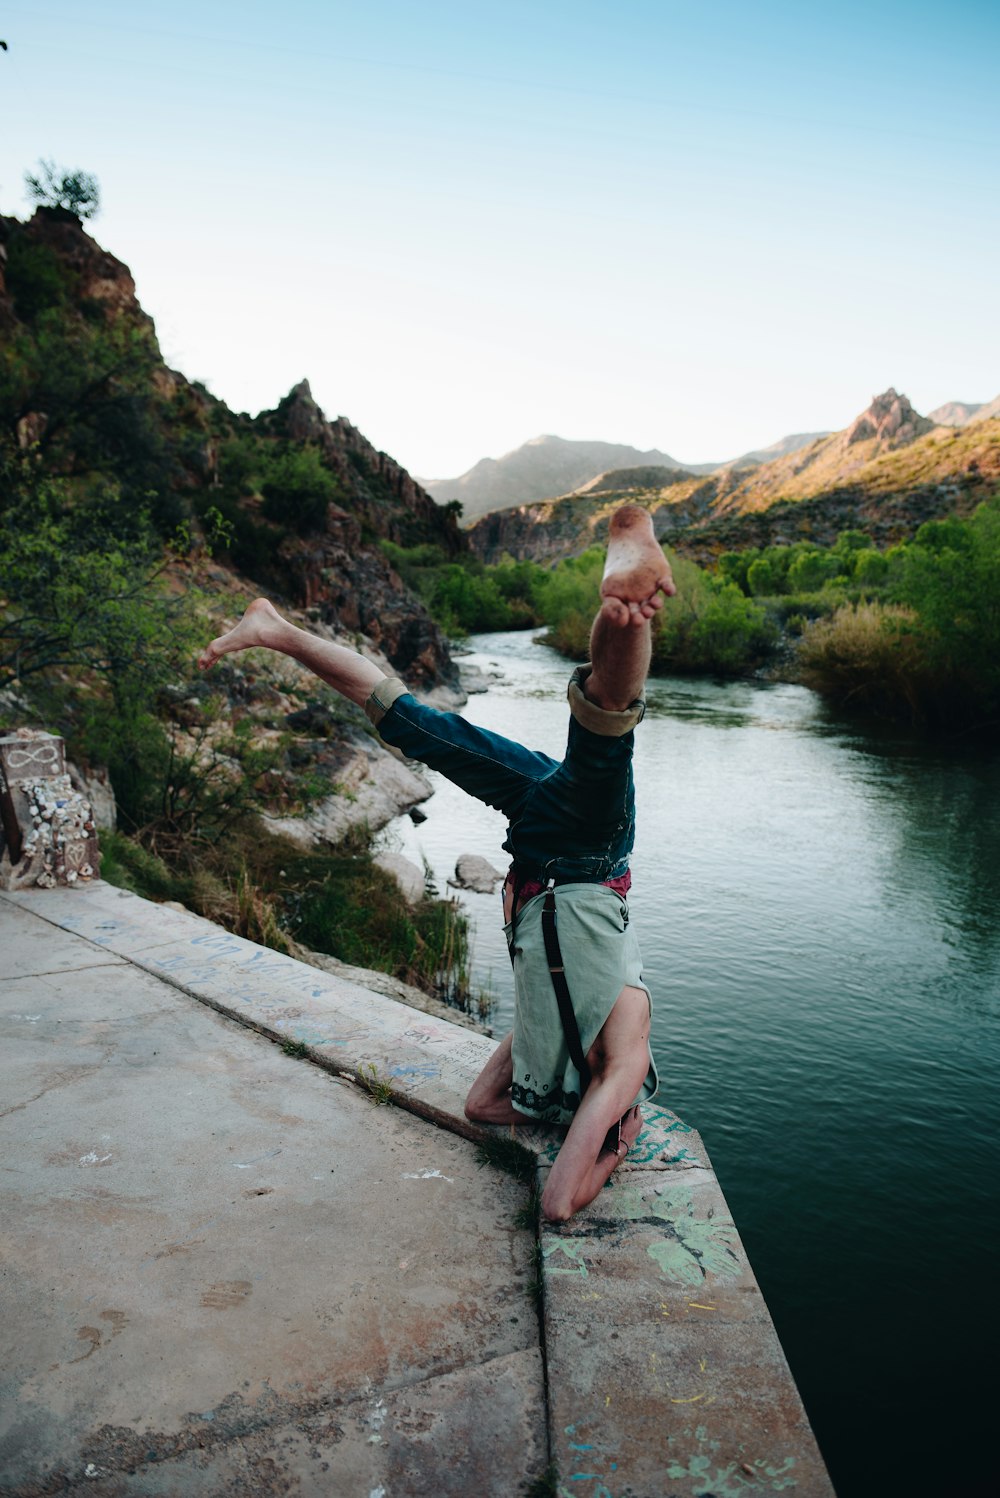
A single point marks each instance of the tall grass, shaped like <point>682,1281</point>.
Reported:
<point>336,901</point>
<point>872,656</point>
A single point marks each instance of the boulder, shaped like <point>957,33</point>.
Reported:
<point>475,873</point>
<point>406,874</point>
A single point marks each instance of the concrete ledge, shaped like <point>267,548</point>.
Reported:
<point>665,1374</point>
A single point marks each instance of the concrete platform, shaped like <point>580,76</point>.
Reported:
<point>227,1270</point>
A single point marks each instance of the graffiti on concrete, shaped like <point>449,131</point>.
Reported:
<point>752,1472</point>
<point>693,1247</point>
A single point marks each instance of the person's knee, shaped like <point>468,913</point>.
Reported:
<point>474,1111</point>
<point>556,1207</point>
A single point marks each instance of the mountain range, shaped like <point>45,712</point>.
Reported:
<point>547,467</point>
<point>885,473</point>
<point>538,469</point>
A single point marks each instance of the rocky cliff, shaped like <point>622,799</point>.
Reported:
<point>85,385</point>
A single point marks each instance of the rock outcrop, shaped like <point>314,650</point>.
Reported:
<point>890,420</point>
<point>344,576</point>
<point>476,873</point>
<point>353,458</point>
<point>337,568</point>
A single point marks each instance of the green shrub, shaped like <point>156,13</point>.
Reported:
<point>810,570</point>
<point>709,625</point>
<point>349,907</point>
<point>950,575</point>
<point>868,656</point>
<point>298,488</point>
<point>870,568</point>
<point>760,578</point>
<point>35,277</point>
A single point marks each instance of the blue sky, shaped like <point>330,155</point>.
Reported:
<point>690,226</point>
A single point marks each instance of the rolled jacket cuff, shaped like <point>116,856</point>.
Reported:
<point>382,696</point>
<point>598,719</point>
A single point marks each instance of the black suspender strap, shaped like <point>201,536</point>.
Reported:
<point>553,956</point>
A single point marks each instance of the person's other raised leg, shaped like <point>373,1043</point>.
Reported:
<point>263,627</point>
<point>635,574</point>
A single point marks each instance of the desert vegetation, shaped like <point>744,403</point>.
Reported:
<point>911,631</point>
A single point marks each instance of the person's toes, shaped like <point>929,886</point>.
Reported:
<point>616,611</point>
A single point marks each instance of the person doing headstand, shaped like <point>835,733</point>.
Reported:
<point>579,1051</point>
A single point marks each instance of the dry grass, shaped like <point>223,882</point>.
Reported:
<point>868,655</point>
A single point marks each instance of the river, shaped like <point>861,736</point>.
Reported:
<point>817,905</point>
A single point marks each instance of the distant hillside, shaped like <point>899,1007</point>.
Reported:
<point>621,480</point>
<point>779,449</point>
<point>954,413</point>
<point>549,466</point>
<point>886,473</point>
<point>987,412</point>
<point>541,468</point>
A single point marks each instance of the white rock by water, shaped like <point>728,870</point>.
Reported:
<point>473,872</point>
<point>406,874</point>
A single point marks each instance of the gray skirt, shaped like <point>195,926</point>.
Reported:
<point>601,956</point>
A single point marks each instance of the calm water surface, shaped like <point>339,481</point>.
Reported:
<point>817,908</point>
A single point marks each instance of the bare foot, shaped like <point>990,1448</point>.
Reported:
<point>260,625</point>
<point>632,1125</point>
<point>636,571</point>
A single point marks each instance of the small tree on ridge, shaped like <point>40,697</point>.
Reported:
<point>74,192</point>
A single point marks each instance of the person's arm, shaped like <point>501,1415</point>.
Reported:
<point>584,1165</point>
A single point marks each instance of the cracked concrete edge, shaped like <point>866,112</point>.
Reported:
<point>651,1305</point>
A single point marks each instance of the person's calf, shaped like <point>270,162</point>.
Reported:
<point>496,1110</point>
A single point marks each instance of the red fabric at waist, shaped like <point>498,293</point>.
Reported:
<point>532,887</point>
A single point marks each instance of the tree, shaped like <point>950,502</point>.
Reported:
<point>298,488</point>
<point>75,192</point>
<point>810,570</point>
<point>760,578</point>
<point>870,568</point>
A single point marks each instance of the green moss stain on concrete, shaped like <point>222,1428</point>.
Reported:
<point>733,1480</point>
<point>693,1248</point>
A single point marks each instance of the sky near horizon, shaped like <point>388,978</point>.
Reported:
<point>691,227</point>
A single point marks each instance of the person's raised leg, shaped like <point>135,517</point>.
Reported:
<point>635,574</point>
<point>263,627</point>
